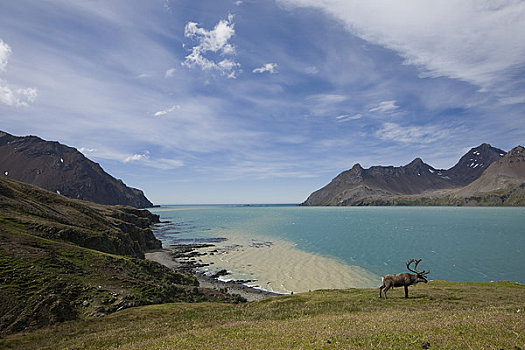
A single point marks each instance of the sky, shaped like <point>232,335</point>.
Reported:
<point>212,101</point>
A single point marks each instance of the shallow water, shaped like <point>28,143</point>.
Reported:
<point>455,243</point>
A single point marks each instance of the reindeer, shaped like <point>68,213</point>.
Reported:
<point>404,279</point>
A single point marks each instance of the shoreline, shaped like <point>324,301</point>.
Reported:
<point>257,267</point>
<point>181,258</point>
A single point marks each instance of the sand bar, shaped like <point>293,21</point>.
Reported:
<point>279,266</point>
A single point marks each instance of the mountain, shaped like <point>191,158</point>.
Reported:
<point>473,164</point>
<point>378,185</point>
<point>64,170</point>
<point>503,183</point>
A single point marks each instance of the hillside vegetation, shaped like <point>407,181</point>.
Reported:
<point>447,315</point>
<point>59,262</point>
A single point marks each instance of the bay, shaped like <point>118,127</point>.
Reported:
<point>456,243</point>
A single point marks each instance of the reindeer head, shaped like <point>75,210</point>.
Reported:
<point>421,275</point>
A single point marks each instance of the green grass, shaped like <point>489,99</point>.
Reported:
<point>448,315</point>
<point>44,281</point>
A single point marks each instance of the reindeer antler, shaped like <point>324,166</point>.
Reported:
<point>415,270</point>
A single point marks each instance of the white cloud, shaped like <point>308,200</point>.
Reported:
<point>385,107</point>
<point>169,73</point>
<point>86,150</point>
<point>239,2</point>
<point>327,98</point>
<point>166,111</point>
<point>136,157</point>
<point>146,160</point>
<point>512,100</point>
<point>474,41</point>
<point>322,105</point>
<point>11,96</point>
<point>214,41</point>
<point>311,70</point>
<point>268,67</point>
<point>411,134</point>
<point>5,52</point>
<point>347,117</point>
<point>18,97</point>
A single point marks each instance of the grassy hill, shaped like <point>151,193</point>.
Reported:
<point>447,315</point>
<point>59,261</point>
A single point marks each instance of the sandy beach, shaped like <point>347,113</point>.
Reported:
<point>279,266</point>
<point>170,256</point>
<point>266,264</point>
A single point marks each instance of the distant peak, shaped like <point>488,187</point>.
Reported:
<point>517,150</point>
<point>416,162</point>
<point>357,166</point>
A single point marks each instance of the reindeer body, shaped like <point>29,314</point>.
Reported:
<point>404,279</point>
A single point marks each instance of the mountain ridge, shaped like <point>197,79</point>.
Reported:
<point>416,183</point>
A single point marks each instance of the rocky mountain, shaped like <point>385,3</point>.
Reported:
<point>379,184</point>
<point>64,170</point>
<point>473,164</point>
<point>502,183</point>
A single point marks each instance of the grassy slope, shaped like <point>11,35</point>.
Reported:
<point>446,314</point>
<point>112,229</point>
<point>44,281</point>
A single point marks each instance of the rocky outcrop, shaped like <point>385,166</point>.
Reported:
<point>112,229</point>
<point>383,185</point>
<point>63,170</point>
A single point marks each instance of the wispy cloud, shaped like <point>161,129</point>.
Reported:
<point>9,95</point>
<point>136,157</point>
<point>327,98</point>
<point>146,160</point>
<point>466,40</point>
<point>214,41</point>
<point>348,117</point>
<point>412,134</point>
<point>166,111</point>
<point>268,67</point>
<point>385,107</point>
<point>5,51</point>
<point>169,73</point>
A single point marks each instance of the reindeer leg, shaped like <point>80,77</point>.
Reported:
<point>406,292</point>
<point>386,289</point>
<point>380,289</point>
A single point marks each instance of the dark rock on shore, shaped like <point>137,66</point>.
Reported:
<point>63,170</point>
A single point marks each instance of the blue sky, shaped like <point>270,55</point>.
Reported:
<point>215,101</point>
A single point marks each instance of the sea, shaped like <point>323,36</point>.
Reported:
<point>470,244</point>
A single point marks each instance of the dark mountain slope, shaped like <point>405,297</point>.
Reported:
<point>474,163</point>
<point>64,170</point>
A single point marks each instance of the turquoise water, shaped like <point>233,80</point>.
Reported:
<point>455,243</point>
